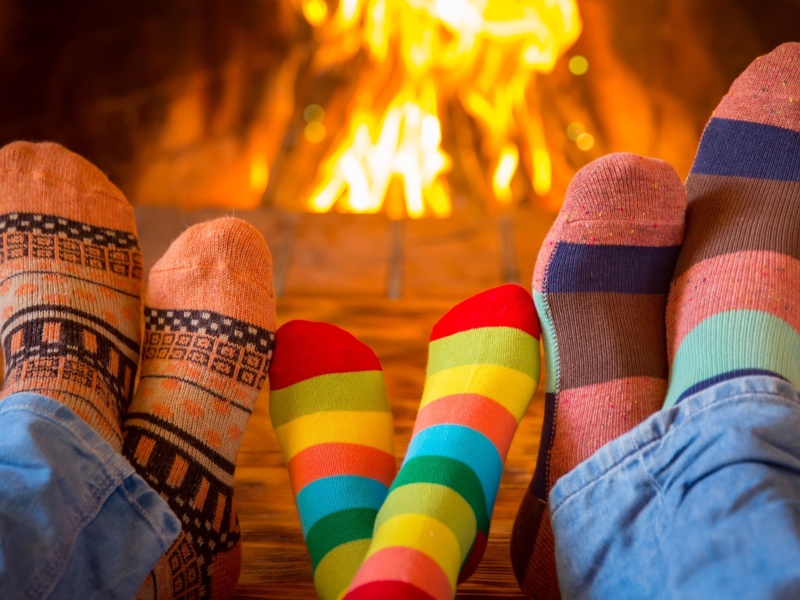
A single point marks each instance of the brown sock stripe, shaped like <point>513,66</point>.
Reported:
<point>590,353</point>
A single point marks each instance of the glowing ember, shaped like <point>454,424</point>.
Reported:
<point>424,54</point>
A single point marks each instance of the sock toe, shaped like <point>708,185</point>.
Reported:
<point>232,259</point>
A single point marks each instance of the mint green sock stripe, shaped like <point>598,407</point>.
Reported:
<point>514,348</point>
<point>734,340</point>
<point>550,356</point>
<point>357,391</point>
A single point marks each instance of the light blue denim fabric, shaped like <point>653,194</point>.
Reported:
<point>75,519</point>
<point>699,501</point>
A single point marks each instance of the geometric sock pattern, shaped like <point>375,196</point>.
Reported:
<point>432,530</point>
<point>70,284</point>
<point>209,323</point>
<point>734,305</point>
<point>331,415</point>
<point>600,286</point>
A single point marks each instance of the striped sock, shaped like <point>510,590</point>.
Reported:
<point>734,308</point>
<point>331,415</point>
<point>70,284</point>
<point>483,367</point>
<point>600,287</point>
<point>209,318</point>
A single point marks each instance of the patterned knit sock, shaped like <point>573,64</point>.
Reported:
<point>600,287</point>
<point>209,318</point>
<point>331,415</point>
<point>734,308</point>
<point>483,367</point>
<point>70,284</point>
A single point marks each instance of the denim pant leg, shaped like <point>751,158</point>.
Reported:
<point>699,501</point>
<point>75,519</point>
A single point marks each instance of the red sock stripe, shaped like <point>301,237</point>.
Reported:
<point>420,575</point>
<point>477,412</point>
<point>509,305</point>
<point>331,459</point>
<point>306,349</point>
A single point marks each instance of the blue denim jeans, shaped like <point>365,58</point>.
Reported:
<point>75,519</point>
<point>699,501</point>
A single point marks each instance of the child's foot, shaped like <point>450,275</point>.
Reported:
<point>600,288</point>
<point>734,308</point>
<point>209,322</point>
<point>483,368</point>
<point>331,415</point>
<point>70,284</point>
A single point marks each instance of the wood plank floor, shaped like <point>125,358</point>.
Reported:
<point>330,277</point>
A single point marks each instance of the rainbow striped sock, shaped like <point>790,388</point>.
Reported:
<point>331,415</point>
<point>734,304</point>
<point>483,368</point>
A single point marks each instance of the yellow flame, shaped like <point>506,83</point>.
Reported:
<point>259,174</point>
<point>424,54</point>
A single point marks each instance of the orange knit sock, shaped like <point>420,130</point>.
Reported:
<point>209,323</point>
<point>70,284</point>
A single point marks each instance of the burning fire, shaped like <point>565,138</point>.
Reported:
<point>423,55</point>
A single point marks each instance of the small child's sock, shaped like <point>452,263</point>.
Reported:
<point>331,415</point>
<point>70,284</point>
<point>600,287</point>
<point>209,322</point>
<point>734,307</point>
<point>483,367</point>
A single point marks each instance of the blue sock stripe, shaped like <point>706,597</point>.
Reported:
<point>611,268</point>
<point>746,149</point>
<point>329,495</point>
<point>467,446</point>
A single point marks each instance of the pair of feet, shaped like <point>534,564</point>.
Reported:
<point>71,291</point>
<point>614,264</point>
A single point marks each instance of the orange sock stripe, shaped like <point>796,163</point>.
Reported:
<point>420,570</point>
<point>330,459</point>
<point>477,412</point>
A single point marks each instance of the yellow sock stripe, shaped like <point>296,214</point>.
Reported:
<point>508,387</point>
<point>424,534</point>
<point>337,569</point>
<point>373,429</point>
<point>436,501</point>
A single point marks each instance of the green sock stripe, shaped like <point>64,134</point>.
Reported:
<point>731,341</point>
<point>450,473</point>
<point>359,391</point>
<point>337,529</point>
<point>509,347</point>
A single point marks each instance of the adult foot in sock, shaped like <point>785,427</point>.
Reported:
<point>209,323</point>
<point>331,415</point>
<point>600,287</point>
<point>483,367</point>
<point>734,307</point>
<point>70,284</point>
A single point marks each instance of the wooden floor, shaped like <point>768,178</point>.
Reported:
<point>340,269</point>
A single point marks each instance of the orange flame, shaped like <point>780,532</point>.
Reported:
<point>423,54</point>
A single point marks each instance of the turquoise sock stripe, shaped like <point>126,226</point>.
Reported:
<point>467,446</point>
<point>330,495</point>
<point>733,341</point>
